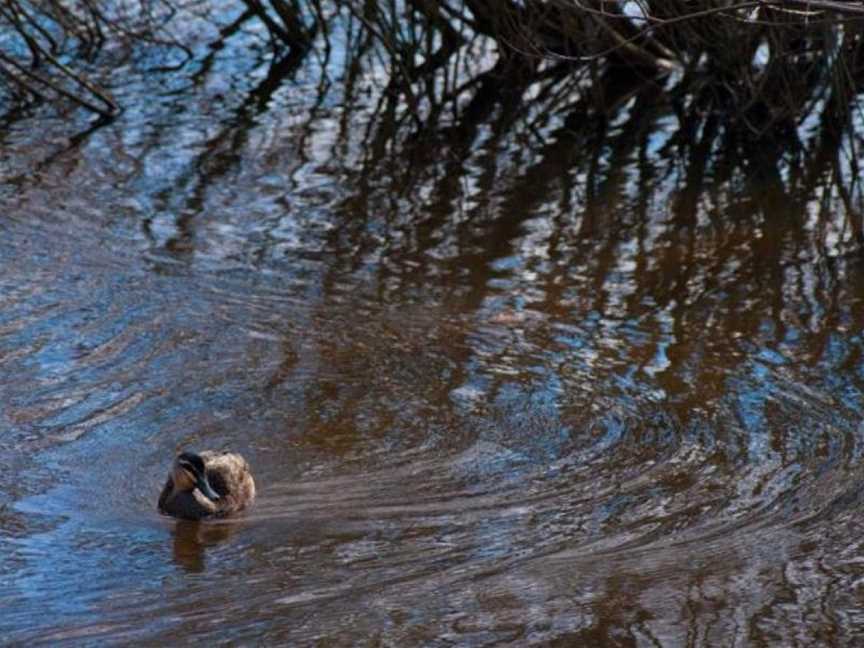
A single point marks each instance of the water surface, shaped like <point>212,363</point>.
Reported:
<point>494,393</point>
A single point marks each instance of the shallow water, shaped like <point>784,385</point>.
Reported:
<point>489,397</point>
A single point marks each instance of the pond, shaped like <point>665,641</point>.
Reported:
<point>514,382</point>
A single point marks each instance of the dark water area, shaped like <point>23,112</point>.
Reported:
<point>514,382</point>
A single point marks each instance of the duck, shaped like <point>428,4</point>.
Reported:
<point>209,484</point>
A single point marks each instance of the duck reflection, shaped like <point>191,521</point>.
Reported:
<point>191,540</point>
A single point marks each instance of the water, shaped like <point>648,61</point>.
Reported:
<point>494,393</point>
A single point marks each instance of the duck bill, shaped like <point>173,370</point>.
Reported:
<point>207,490</point>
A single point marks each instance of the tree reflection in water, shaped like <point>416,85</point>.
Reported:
<point>559,357</point>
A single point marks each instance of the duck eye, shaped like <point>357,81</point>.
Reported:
<point>188,466</point>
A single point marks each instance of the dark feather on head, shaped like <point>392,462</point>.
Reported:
<point>192,462</point>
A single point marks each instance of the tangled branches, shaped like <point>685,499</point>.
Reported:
<point>763,62</point>
<point>37,37</point>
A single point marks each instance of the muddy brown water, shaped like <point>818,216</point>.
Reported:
<point>485,403</point>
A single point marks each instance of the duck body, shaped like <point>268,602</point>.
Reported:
<point>207,484</point>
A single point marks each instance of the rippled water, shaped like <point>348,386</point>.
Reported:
<point>486,402</point>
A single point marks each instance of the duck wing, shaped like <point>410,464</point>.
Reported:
<point>229,475</point>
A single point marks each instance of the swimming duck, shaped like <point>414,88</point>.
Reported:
<point>208,484</point>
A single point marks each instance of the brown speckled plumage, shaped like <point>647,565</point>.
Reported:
<point>228,474</point>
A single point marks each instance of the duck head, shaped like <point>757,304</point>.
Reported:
<point>189,473</point>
